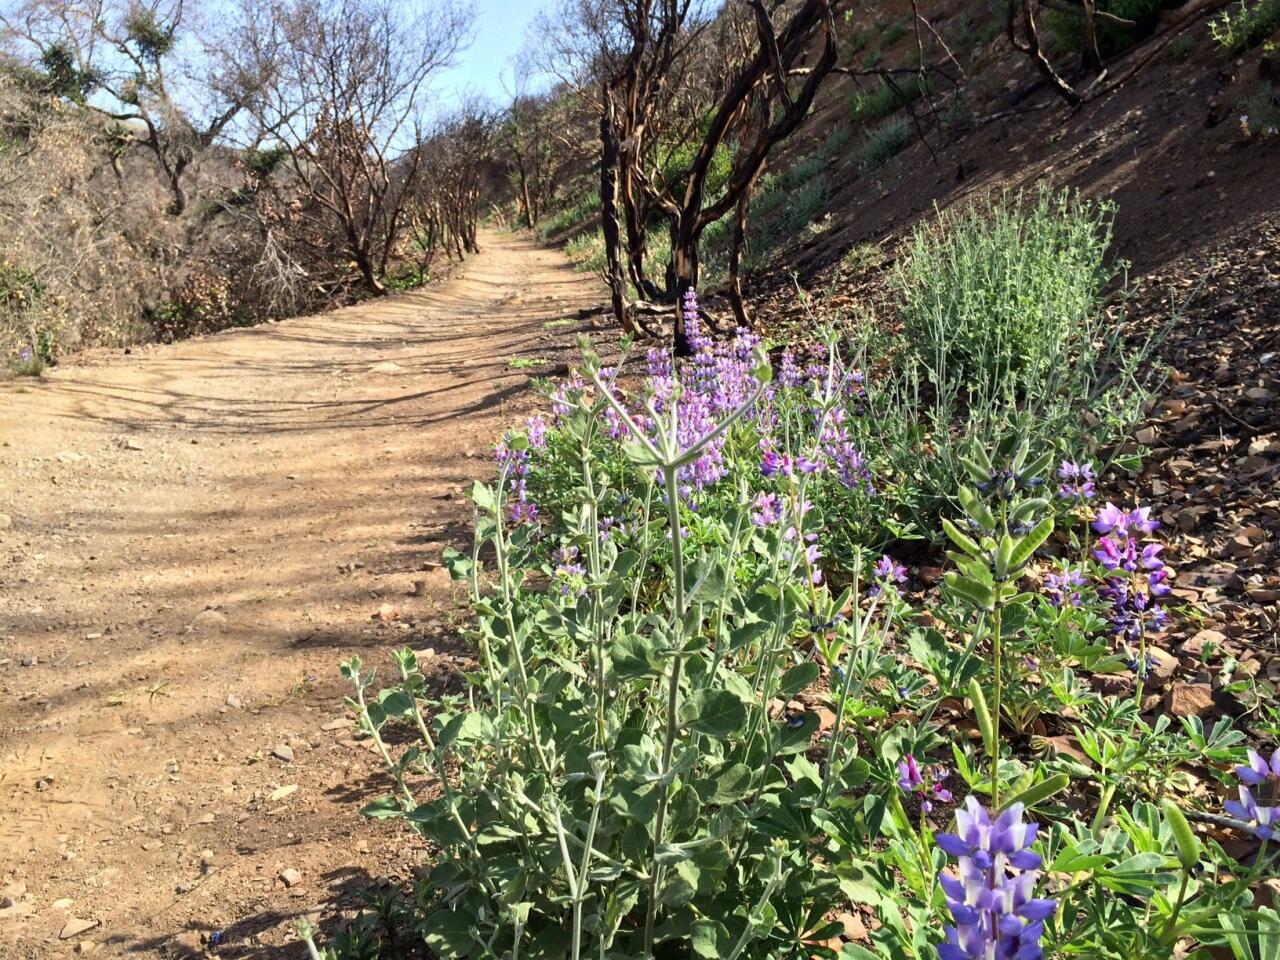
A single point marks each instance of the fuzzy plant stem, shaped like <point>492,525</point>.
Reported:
<point>673,702</point>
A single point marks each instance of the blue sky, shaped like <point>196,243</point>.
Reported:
<point>499,33</point>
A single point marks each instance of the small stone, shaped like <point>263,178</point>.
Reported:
<point>290,877</point>
<point>62,904</point>
<point>233,701</point>
<point>283,792</point>
<point>209,620</point>
<point>131,444</point>
<point>13,892</point>
<point>387,367</point>
<point>29,661</point>
<point>6,521</point>
<point>387,612</point>
<point>854,928</point>
<point>1205,639</point>
<point>341,723</point>
<point>1190,699</point>
<point>206,857</point>
<point>86,946</point>
<point>74,927</point>
<point>283,751</point>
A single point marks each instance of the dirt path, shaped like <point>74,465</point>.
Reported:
<point>191,539</point>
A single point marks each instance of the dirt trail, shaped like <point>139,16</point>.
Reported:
<point>191,539</point>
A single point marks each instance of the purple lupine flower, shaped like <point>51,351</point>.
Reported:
<point>26,354</point>
<point>1061,588</point>
<point>773,464</point>
<point>888,574</point>
<point>806,466</point>
<point>789,374</point>
<point>569,572</point>
<point>768,510</point>
<point>1078,480</point>
<point>992,902</point>
<point>1134,610</point>
<point>1261,821</point>
<point>1111,518</point>
<point>1259,769</point>
<point>925,782</point>
<point>846,459</point>
<point>536,429</point>
<point>609,526</point>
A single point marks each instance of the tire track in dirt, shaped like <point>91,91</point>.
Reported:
<point>193,537</point>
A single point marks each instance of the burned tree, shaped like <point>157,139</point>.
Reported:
<point>121,60</point>
<point>344,102</point>
<point>775,73</point>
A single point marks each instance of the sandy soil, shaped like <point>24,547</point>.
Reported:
<point>192,537</point>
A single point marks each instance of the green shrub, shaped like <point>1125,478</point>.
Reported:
<point>1003,322</point>
<point>1068,25</point>
<point>886,97</point>
<point>802,171</point>
<point>1246,25</point>
<point>892,34</point>
<point>884,142</point>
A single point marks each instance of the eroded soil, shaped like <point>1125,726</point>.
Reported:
<point>192,538</point>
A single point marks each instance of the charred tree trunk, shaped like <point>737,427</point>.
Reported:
<point>684,266</point>
<point>741,217</point>
<point>610,161</point>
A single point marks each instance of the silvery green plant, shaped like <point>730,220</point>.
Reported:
<point>621,779</point>
<point>635,768</point>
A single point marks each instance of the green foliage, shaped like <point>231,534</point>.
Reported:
<point>1068,25</point>
<point>63,76</point>
<point>882,143</point>
<point>893,33</point>
<point>1246,25</point>
<point>1260,111</point>
<point>1002,325</point>
<point>1001,295</point>
<point>580,210</point>
<point>153,38</point>
<point>861,257</point>
<point>887,96</point>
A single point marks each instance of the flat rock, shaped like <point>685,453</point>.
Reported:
<point>1190,699</point>
<point>283,751</point>
<point>6,521</point>
<point>74,927</point>
<point>386,367</point>
<point>290,877</point>
<point>341,723</point>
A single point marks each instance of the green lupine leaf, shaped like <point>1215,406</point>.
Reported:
<point>1030,544</point>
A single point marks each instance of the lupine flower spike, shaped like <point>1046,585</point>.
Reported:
<point>992,901</point>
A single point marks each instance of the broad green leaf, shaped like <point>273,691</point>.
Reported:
<point>384,808</point>
<point>798,678</point>
<point>715,713</point>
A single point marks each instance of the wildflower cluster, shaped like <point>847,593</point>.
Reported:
<point>992,901</point>
<point>515,465</point>
<point>923,782</point>
<point>1136,576</point>
<point>1078,481</point>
